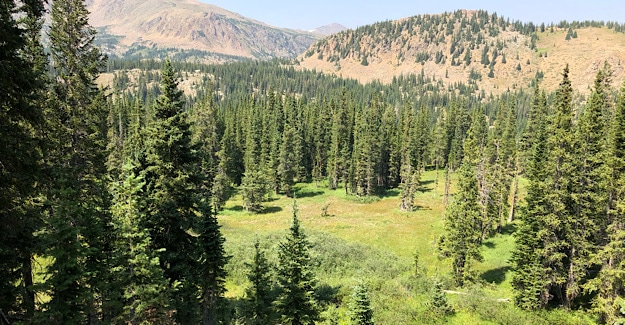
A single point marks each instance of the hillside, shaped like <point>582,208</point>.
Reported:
<point>471,46</point>
<point>192,25</point>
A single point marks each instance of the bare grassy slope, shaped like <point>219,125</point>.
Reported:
<point>437,45</point>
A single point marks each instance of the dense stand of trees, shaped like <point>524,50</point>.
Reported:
<point>120,217</point>
<point>570,220</point>
<point>118,194</point>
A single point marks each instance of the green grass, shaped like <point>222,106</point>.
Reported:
<point>372,239</point>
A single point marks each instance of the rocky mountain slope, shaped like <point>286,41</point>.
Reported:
<point>192,25</point>
<point>472,47</point>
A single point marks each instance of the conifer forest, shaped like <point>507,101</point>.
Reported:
<point>161,190</point>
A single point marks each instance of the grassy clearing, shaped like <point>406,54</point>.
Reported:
<point>377,242</point>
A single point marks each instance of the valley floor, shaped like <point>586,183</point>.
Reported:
<point>372,240</point>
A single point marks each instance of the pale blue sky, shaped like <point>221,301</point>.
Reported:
<point>309,14</point>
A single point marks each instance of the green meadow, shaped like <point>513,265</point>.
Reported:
<point>373,240</point>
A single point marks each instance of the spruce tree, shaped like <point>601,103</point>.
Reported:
<point>296,304</point>
<point>406,171</point>
<point>360,311</point>
<point>547,241</point>
<point>589,194</point>
<point>560,220</point>
<point>339,154</point>
<point>463,237</point>
<point>260,294</point>
<point>367,152</point>
<point>22,85</point>
<point>322,117</point>
<point>529,281</point>
<point>255,183</point>
<point>501,163</point>
<point>137,270</point>
<point>78,226</point>
<point>289,159</point>
<point>609,285</point>
<point>178,211</point>
<point>439,303</point>
<point>422,139</point>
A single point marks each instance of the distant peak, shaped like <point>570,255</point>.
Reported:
<point>329,29</point>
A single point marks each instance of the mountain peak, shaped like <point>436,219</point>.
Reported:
<point>190,24</point>
<point>328,30</point>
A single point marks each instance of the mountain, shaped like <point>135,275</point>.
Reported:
<point>328,30</point>
<point>125,25</point>
<point>474,47</point>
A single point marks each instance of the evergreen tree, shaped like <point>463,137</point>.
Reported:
<point>221,188</point>
<point>296,303</point>
<point>439,303</point>
<point>260,293</point>
<point>462,238</point>
<point>289,160</point>
<point>178,211</point>
<point>560,220</point>
<point>589,194</point>
<point>255,183</point>
<point>22,85</point>
<point>322,121</point>
<point>78,227</point>
<point>146,291</point>
<point>254,189</point>
<point>360,306</point>
<point>367,152</point>
<point>529,280</point>
<point>501,163</point>
<point>206,130</point>
<point>422,139</point>
<point>340,151</point>
<point>212,271</point>
<point>609,285</point>
<point>546,253</point>
<point>409,175</point>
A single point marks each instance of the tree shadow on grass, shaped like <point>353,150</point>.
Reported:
<point>269,210</point>
<point>327,294</point>
<point>388,193</point>
<point>303,194</point>
<point>424,188</point>
<point>508,229</point>
<point>489,244</point>
<point>236,208</point>
<point>497,275</point>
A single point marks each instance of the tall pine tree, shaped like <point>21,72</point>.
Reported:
<point>260,293</point>
<point>463,237</point>
<point>296,304</point>
<point>529,280</point>
<point>78,227</point>
<point>178,211</point>
<point>146,291</point>
<point>609,285</point>
<point>22,85</point>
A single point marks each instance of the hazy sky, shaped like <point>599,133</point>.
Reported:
<point>309,14</point>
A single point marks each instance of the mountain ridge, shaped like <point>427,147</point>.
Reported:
<point>474,47</point>
<point>190,24</point>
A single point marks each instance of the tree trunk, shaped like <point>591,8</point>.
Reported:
<point>29,294</point>
<point>447,188</point>
<point>515,185</point>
